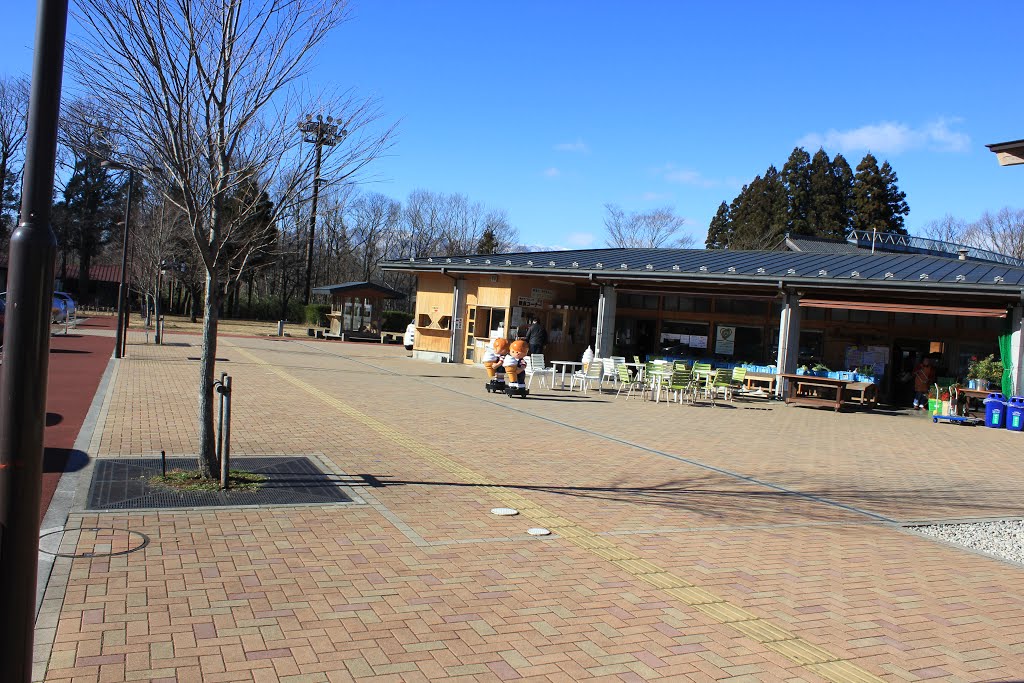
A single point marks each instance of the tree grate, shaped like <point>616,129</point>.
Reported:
<point>123,484</point>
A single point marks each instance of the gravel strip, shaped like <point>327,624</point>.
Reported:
<point>1002,538</point>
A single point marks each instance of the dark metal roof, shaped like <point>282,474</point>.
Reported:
<point>908,272</point>
<point>366,288</point>
<point>820,245</point>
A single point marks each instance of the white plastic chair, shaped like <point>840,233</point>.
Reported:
<point>535,366</point>
<point>587,378</point>
<point>610,373</point>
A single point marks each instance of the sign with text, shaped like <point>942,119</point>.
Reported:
<point>725,340</point>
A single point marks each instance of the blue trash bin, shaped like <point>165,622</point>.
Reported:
<point>995,411</point>
<point>1015,414</point>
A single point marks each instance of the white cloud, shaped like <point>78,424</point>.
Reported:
<point>551,172</point>
<point>891,137</point>
<point>579,146</point>
<point>685,176</point>
<point>579,239</point>
<point>655,196</point>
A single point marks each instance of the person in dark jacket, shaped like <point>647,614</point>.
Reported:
<point>536,337</point>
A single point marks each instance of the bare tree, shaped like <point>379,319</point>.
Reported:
<point>648,230</point>
<point>1002,232</point>
<point>207,92</point>
<point>13,128</point>
<point>949,228</point>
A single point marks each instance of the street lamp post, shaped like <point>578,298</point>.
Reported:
<point>318,133</point>
<point>33,251</point>
<point>122,294</point>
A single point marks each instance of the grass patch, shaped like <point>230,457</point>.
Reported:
<point>191,480</point>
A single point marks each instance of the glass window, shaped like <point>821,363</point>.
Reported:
<point>741,306</point>
<point>813,313</point>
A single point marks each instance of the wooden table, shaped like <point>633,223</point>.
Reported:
<point>977,394</point>
<point>755,380</point>
<point>799,388</point>
<point>566,364</point>
<point>867,392</point>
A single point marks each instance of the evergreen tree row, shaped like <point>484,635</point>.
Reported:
<point>811,196</point>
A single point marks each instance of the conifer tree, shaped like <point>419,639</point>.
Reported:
<point>93,203</point>
<point>895,199</point>
<point>831,183</point>
<point>796,175</point>
<point>878,204</point>
<point>720,229</point>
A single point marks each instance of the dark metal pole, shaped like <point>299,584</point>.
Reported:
<point>33,252</point>
<point>312,218</point>
<point>156,305</point>
<point>121,289</point>
<point>225,458</point>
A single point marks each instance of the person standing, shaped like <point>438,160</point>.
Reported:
<point>410,337</point>
<point>924,377</point>
<point>536,337</point>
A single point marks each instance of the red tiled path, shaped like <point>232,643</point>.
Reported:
<point>77,362</point>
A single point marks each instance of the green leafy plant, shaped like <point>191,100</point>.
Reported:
<point>985,368</point>
<point>396,321</point>
<point>316,314</point>
<point>820,367</point>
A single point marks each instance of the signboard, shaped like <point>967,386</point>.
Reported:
<point>458,323</point>
<point>530,303</point>
<point>698,341</point>
<point>725,340</point>
<point>542,294</point>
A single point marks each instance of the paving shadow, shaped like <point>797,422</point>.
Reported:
<point>56,460</point>
<point>711,496</point>
<point>53,419</point>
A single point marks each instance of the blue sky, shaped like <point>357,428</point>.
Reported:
<point>550,110</point>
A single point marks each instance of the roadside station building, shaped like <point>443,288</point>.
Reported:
<point>882,300</point>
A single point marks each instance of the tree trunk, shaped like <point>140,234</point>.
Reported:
<point>248,303</point>
<point>208,465</point>
<point>84,261</point>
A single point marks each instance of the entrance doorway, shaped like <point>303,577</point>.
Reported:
<point>906,354</point>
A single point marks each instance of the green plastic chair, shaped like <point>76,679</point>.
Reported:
<point>681,382</point>
<point>626,381</point>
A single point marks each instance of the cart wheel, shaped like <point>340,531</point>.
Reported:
<point>935,420</point>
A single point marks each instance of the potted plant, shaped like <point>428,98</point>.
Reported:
<point>985,371</point>
<point>820,370</point>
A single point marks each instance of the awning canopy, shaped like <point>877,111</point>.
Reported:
<point>966,311</point>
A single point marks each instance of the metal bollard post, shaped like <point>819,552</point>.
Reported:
<point>219,384</point>
<point>225,462</point>
<point>280,328</point>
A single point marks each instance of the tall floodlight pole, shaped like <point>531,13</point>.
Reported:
<point>122,290</point>
<point>319,134</point>
<point>33,251</point>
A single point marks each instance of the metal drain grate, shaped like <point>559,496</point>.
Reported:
<point>123,484</point>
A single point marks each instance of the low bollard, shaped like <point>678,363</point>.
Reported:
<point>280,328</point>
<point>224,428</point>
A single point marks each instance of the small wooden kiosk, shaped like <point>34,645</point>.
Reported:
<point>357,308</point>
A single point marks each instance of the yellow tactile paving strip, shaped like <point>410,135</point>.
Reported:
<point>796,649</point>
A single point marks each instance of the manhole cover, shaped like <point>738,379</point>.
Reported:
<point>122,484</point>
<point>538,531</point>
<point>504,512</point>
<point>92,542</point>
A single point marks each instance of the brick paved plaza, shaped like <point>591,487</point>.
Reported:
<point>747,542</point>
